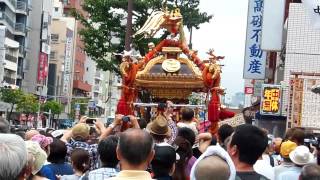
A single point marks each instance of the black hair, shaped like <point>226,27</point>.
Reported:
<point>4,126</point>
<point>188,134</point>
<point>92,131</point>
<point>224,131</point>
<point>80,160</point>
<point>142,123</point>
<point>158,138</point>
<point>48,130</point>
<point>162,167</point>
<point>251,142</point>
<point>58,151</point>
<point>135,145</point>
<point>185,152</point>
<point>187,114</point>
<point>42,132</point>
<point>107,151</point>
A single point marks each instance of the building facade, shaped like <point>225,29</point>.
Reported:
<point>80,87</point>
<point>60,78</point>
<point>14,16</point>
<point>37,56</point>
<point>301,70</point>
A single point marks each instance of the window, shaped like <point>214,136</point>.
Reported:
<point>54,38</point>
<point>53,55</point>
<point>56,9</point>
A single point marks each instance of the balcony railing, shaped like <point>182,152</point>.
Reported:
<point>5,17</point>
<point>22,6</point>
<point>98,74</point>
<point>22,50</point>
<point>9,80</point>
<point>20,72</point>
<point>20,27</point>
<point>18,5</point>
<point>96,88</point>
<point>11,58</point>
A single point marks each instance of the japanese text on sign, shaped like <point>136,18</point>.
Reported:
<point>67,63</point>
<point>254,65</point>
<point>271,99</point>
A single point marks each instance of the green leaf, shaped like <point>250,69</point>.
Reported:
<point>104,26</point>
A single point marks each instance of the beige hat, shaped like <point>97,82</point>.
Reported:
<point>159,126</point>
<point>81,130</point>
<point>39,155</point>
<point>301,155</point>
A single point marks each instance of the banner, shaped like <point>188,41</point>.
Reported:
<point>270,100</point>
<point>68,63</point>
<point>255,57</point>
<point>42,67</point>
<point>272,26</point>
<point>313,9</point>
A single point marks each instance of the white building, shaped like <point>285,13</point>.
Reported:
<point>15,16</point>
<point>302,55</point>
<point>95,78</point>
<point>10,63</point>
<point>113,93</point>
<point>8,60</point>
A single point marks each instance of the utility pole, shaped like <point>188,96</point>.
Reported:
<point>128,38</point>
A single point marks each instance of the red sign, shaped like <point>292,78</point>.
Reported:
<point>248,90</point>
<point>42,66</point>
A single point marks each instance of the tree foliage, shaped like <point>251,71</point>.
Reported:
<point>83,107</point>
<point>54,106</point>
<point>12,97</point>
<point>28,104</point>
<point>105,23</point>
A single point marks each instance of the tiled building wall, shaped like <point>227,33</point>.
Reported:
<point>302,48</point>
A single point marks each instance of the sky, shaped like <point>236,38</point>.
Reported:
<point>226,34</point>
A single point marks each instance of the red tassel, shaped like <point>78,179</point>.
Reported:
<point>122,107</point>
<point>213,111</point>
<point>224,114</point>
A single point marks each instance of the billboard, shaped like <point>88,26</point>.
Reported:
<point>272,26</point>
<point>255,57</point>
<point>313,9</point>
<point>42,67</point>
<point>270,100</point>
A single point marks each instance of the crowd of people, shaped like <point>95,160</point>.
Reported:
<point>161,149</point>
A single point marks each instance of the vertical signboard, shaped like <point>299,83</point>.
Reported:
<point>272,26</point>
<point>270,100</point>
<point>313,9</point>
<point>255,57</point>
<point>67,63</point>
<point>310,105</point>
<point>42,67</point>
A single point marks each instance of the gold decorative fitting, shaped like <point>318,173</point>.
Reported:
<point>171,65</point>
<point>171,50</point>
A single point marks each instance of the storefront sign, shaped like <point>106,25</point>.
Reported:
<point>270,99</point>
<point>313,9</point>
<point>255,57</point>
<point>248,90</point>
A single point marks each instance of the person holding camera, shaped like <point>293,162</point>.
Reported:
<point>78,136</point>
